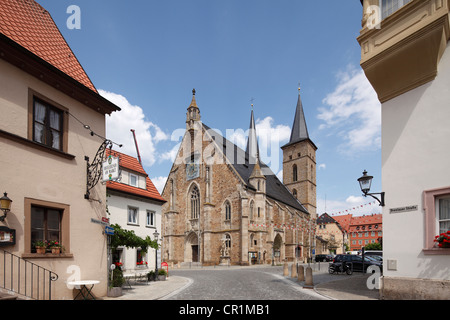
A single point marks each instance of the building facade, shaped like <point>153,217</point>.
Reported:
<point>364,230</point>
<point>330,230</point>
<point>44,98</point>
<point>224,206</point>
<point>134,204</point>
<point>405,55</point>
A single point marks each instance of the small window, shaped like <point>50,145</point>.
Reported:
<point>227,211</point>
<point>133,180</point>
<point>294,173</point>
<point>45,225</point>
<point>443,215</point>
<point>150,218</point>
<point>133,215</point>
<point>47,124</point>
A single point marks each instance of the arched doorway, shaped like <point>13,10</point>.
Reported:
<point>277,247</point>
<point>191,248</point>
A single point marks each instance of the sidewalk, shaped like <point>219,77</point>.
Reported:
<point>154,290</point>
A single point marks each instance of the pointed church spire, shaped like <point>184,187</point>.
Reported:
<point>193,113</point>
<point>299,129</point>
<point>252,142</point>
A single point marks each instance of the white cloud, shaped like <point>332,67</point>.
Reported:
<point>353,111</point>
<point>322,166</point>
<point>119,124</point>
<point>159,183</point>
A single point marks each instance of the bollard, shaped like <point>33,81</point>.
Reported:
<point>301,273</point>
<point>285,269</point>
<point>308,278</point>
<point>294,270</point>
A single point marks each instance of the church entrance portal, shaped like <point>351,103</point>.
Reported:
<point>191,248</point>
<point>194,253</point>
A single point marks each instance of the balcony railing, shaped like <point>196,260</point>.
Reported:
<point>25,278</point>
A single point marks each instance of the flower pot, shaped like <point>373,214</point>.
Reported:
<point>162,277</point>
<point>114,292</point>
<point>56,250</point>
<point>40,250</point>
<point>444,245</point>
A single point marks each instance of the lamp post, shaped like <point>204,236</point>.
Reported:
<point>155,236</point>
<point>5,205</point>
<point>365,183</point>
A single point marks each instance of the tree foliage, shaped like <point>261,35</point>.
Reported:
<point>373,246</point>
<point>129,239</point>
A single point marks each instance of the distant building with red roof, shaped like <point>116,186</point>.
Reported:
<point>135,204</point>
<point>355,231</point>
<point>364,230</point>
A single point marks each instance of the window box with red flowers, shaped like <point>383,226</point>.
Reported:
<point>443,240</point>
<point>141,264</point>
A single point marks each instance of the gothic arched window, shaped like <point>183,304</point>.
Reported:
<point>195,203</point>
<point>294,172</point>
<point>251,210</point>
<point>227,211</point>
<point>294,192</point>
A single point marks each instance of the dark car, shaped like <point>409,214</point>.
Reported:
<point>323,257</point>
<point>356,262</point>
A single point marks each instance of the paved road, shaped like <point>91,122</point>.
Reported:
<point>259,283</point>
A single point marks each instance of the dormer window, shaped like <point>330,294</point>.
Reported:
<point>133,180</point>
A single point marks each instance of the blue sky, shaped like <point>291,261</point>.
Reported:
<point>147,57</point>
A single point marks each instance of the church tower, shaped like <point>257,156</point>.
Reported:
<point>299,162</point>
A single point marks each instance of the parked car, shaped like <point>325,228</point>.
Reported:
<point>356,262</point>
<point>323,257</point>
<point>373,253</point>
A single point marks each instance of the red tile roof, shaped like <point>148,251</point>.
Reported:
<point>375,219</point>
<point>344,221</point>
<point>31,26</point>
<point>132,164</point>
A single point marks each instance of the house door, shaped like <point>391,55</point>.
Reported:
<point>194,253</point>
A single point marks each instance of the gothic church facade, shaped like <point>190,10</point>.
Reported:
<point>225,206</point>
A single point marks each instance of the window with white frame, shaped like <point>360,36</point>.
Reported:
<point>442,215</point>
<point>388,7</point>
<point>133,180</point>
<point>150,218</point>
<point>133,215</point>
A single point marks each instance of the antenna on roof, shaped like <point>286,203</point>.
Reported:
<point>137,148</point>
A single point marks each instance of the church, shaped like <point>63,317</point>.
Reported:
<point>226,207</point>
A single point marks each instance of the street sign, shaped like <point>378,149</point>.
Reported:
<point>109,230</point>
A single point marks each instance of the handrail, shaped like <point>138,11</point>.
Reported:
<point>25,278</point>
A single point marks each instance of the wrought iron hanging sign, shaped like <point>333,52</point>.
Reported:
<point>94,169</point>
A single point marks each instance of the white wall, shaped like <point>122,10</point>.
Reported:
<point>415,157</point>
<point>118,208</point>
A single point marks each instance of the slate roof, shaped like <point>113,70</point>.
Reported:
<point>299,128</point>
<point>132,164</point>
<point>31,26</point>
<point>243,164</point>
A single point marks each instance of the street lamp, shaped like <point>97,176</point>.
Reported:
<point>5,205</point>
<point>155,236</point>
<point>365,182</point>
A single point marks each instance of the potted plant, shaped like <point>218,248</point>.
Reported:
<point>55,246</point>
<point>443,240</point>
<point>115,287</point>
<point>162,275</point>
<point>151,276</point>
<point>41,246</point>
